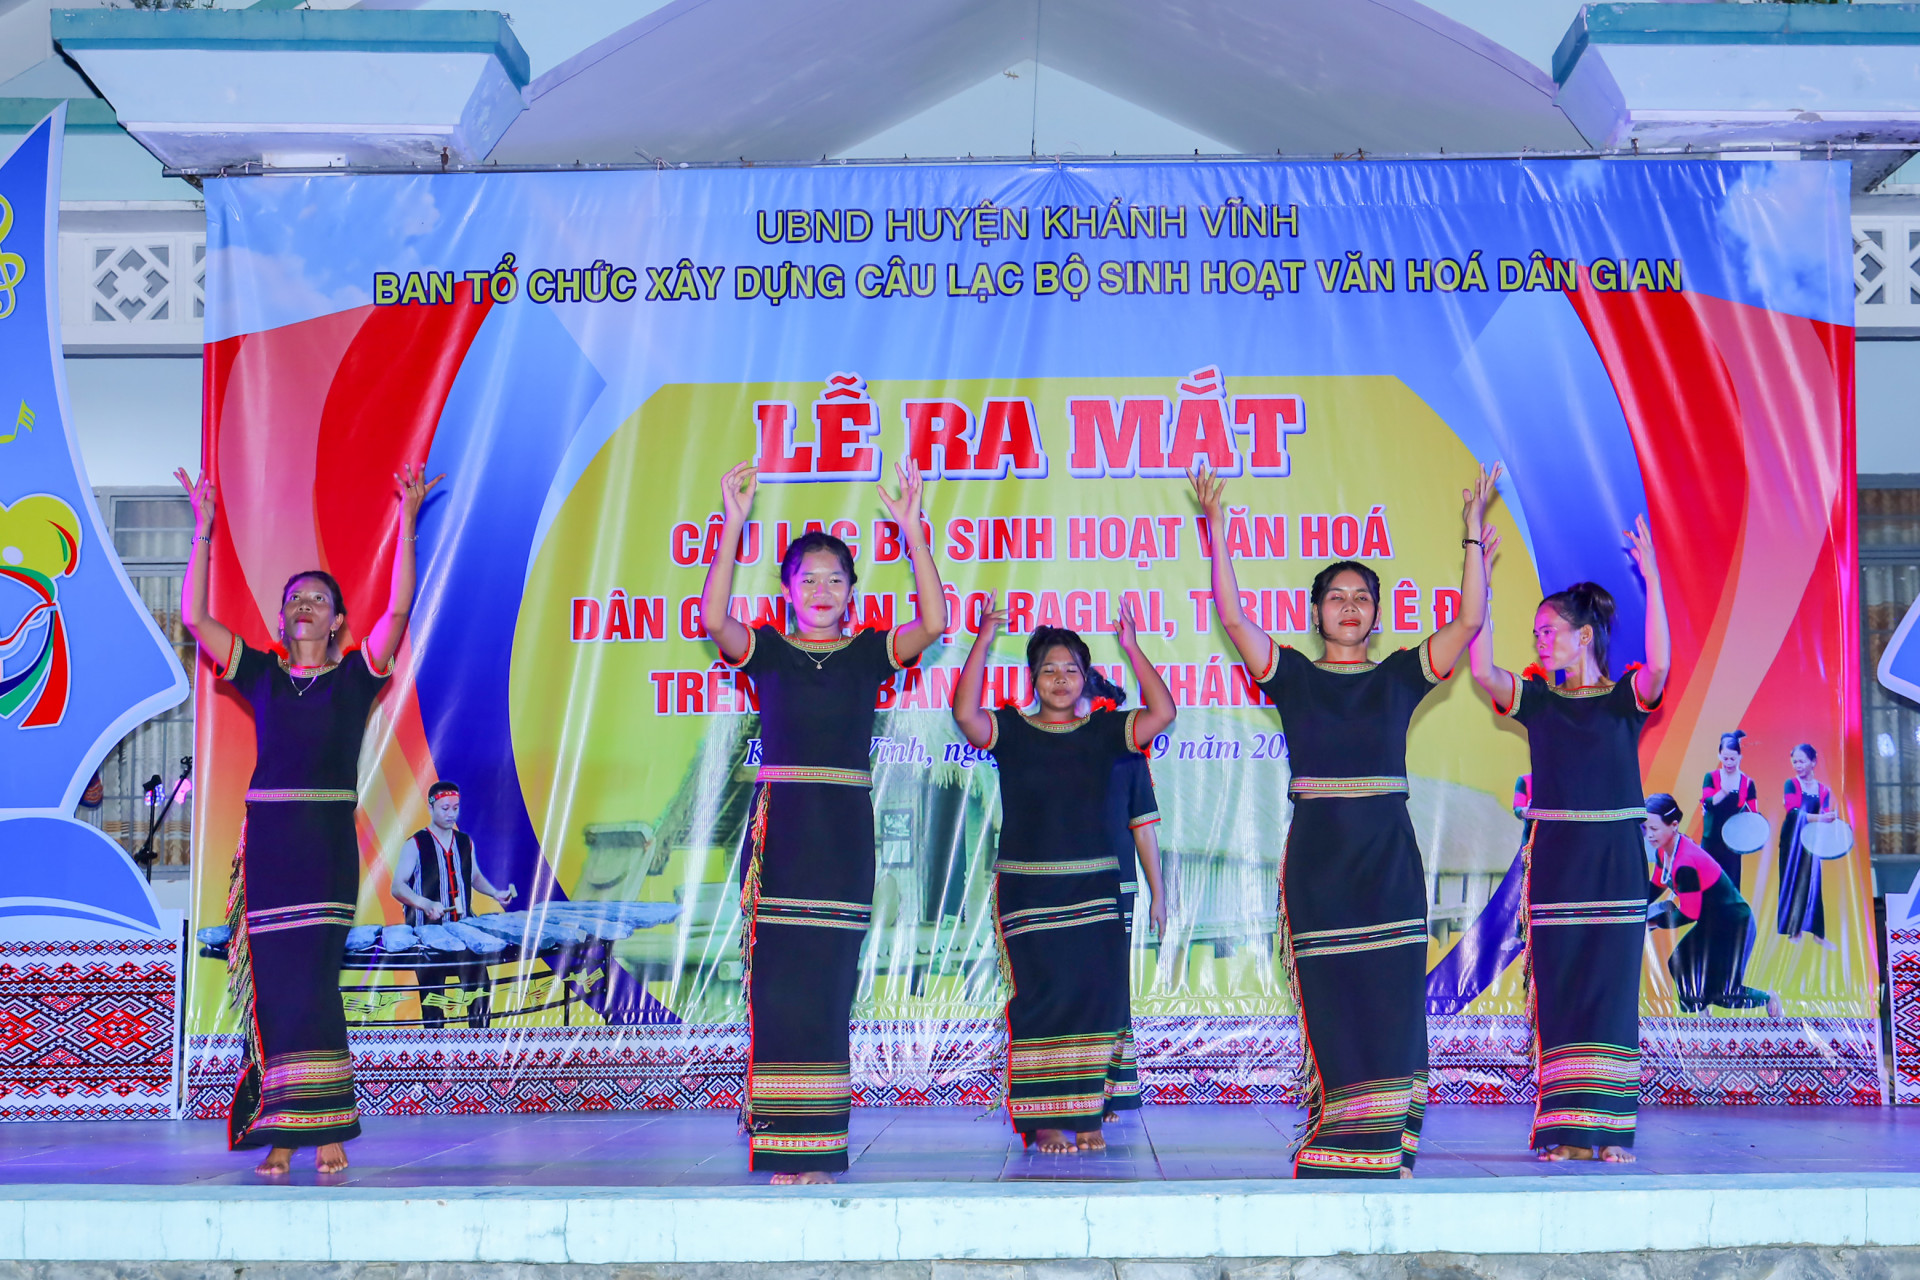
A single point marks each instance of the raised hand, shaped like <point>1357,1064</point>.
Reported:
<point>1640,547</point>
<point>1209,489</point>
<point>904,509</point>
<point>200,493</point>
<point>737,488</point>
<point>414,488</point>
<point>1489,543</point>
<point>991,621</point>
<point>1651,679</point>
<point>1475,501</point>
<point>1128,628</point>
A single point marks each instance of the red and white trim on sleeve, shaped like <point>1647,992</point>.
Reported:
<point>1426,663</point>
<point>1638,701</point>
<point>1513,707</point>
<point>232,665</point>
<point>893,654</point>
<point>753,642</point>
<point>1144,820</point>
<point>993,731</point>
<point>368,659</point>
<point>1273,662</point>
<point>1131,730</point>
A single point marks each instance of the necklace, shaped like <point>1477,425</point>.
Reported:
<point>831,647</point>
<point>300,690</point>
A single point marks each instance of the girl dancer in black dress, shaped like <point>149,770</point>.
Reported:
<point>1586,867</point>
<point>808,875</point>
<point>296,874</point>
<point>1353,900</point>
<point>1709,964</point>
<point>1056,881</point>
<point>1723,793</point>
<point>1808,800</point>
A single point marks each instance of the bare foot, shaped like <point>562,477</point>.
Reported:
<point>811,1178</point>
<point>278,1161</point>
<point>1091,1140</point>
<point>1406,1172</point>
<point>1773,1005</point>
<point>1614,1155</point>
<point>1055,1142</point>
<point>331,1158</point>
<point>1564,1152</point>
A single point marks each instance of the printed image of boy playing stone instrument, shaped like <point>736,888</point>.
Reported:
<point>434,880</point>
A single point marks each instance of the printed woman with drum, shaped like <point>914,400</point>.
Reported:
<point>1811,833</point>
<point>1726,795</point>
<point>1691,892</point>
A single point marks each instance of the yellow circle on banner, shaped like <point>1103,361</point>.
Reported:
<point>620,735</point>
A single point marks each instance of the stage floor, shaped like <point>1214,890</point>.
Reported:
<point>629,1149</point>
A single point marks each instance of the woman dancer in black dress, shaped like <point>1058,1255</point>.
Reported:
<point>807,896</point>
<point>1709,963</point>
<point>1586,866</point>
<point>296,874</point>
<point>1353,892</point>
<point>1133,813</point>
<point>1056,881</point>
<point>1808,800</point>
<point>1723,793</point>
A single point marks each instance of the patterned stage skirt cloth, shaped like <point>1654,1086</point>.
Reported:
<point>1065,955</point>
<point>1353,907</point>
<point>807,901</point>
<point>296,878</point>
<point>1123,1070</point>
<point>1586,933</point>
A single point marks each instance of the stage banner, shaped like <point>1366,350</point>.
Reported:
<point>1903,994</point>
<point>91,969</point>
<point>1054,345</point>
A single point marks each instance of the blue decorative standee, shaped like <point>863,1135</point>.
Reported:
<point>89,966</point>
<point>1900,664</point>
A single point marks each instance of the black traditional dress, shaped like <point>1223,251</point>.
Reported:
<point>1353,908</point>
<point>1801,909</point>
<point>296,881</point>
<point>808,888</point>
<point>1131,805</point>
<point>1709,964</point>
<point>1057,908</point>
<point>1744,798</point>
<point>1586,868</point>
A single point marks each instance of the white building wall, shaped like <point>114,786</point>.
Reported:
<point>137,417</point>
<point>1887,406</point>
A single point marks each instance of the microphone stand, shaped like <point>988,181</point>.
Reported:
<point>148,855</point>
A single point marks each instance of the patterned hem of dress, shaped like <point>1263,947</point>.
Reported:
<point>272,1135</point>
